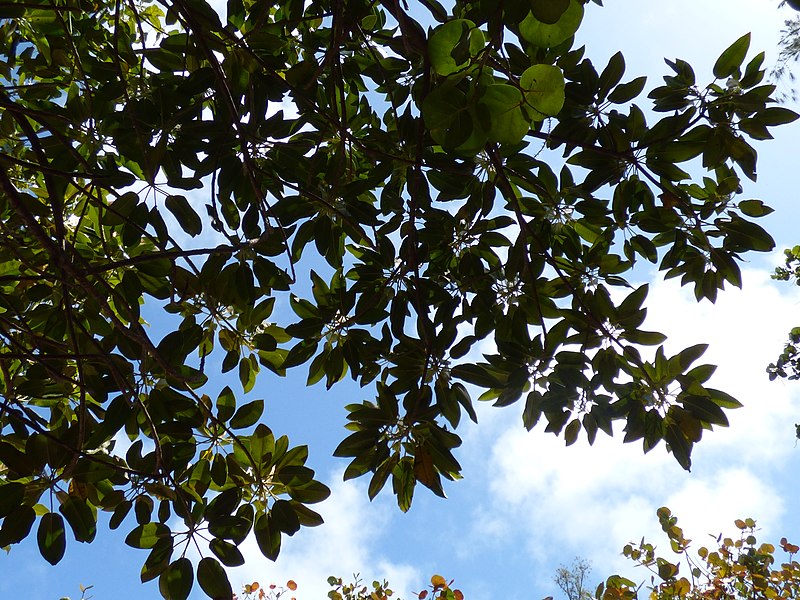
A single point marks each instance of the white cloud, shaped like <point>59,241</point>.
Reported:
<point>709,505</point>
<point>592,500</point>
<point>352,540</point>
<point>746,330</point>
<point>696,31</point>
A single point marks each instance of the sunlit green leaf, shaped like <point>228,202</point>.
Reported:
<point>543,86</point>
<point>453,45</point>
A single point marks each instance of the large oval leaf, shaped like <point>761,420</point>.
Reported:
<point>81,518</point>
<point>228,553</point>
<point>453,45</point>
<point>549,11</point>
<point>543,86</point>
<point>547,35</point>
<point>186,216</point>
<point>147,536</point>
<point>267,537</point>
<point>213,579</point>
<point>51,537</point>
<point>11,496</point>
<point>176,581</point>
<point>446,113</point>
<point>503,105</point>
<point>731,59</point>
<point>17,525</point>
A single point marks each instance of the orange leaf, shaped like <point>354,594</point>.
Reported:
<point>424,470</point>
<point>437,581</point>
<point>669,199</point>
<point>291,585</point>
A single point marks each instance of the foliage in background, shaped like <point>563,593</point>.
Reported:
<point>788,363</point>
<point>442,196</point>
<point>356,590</point>
<point>573,580</point>
<point>736,568</point>
<point>439,589</point>
<point>789,48</point>
<point>84,590</point>
<point>254,591</point>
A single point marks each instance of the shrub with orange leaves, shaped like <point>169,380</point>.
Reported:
<point>441,590</point>
<point>739,568</point>
<point>254,591</point>
<point>358,591</point>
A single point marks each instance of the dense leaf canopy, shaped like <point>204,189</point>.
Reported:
<point>449,198</point>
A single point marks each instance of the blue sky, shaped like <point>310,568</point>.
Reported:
<point>527,504</point>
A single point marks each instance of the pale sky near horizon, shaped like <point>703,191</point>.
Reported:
<point>527,503</point>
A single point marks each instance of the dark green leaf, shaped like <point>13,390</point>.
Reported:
<point>476,375</point>
<point>571,432</point>
<point>51,537</point>
<point>184,213</point>
<point>81,518</point>
<point>11,496</point>
<point>247,415</point>
<point>267,537</point>
<point>310,493</point>
<point>731,59</point>
<point>15,460</point>
<point>226,404</point>
<point>147,536</point>
<point>403,483</point>
<point>548,11</point>
<point>226,552</point>
<point>612,74</point>
<point>626,92</point>
<point>213,580</point>
<point>175,582</point>
<point>17,525</point>
<point>754,208</point>
<point>777,115</point>
<point>283,516</point>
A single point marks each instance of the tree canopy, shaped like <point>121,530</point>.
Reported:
<point>449,198</point>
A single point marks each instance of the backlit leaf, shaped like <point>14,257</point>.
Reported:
<point>52,538</point>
